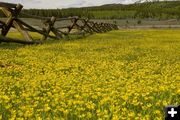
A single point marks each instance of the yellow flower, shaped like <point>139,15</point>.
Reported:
<point>131,114</point>
<point>105,76</point>
<point>157,112</point>
<point>46,108</point>
<point>0,116</point>
<point>89,115</point>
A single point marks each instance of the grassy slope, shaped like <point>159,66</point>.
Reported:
<point>166,9</point>
<point>101,76</point>
<point>155,10</point>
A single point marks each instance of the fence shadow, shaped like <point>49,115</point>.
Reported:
<point>11,46</point>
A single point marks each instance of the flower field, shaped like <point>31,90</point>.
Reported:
<point>120,75</point>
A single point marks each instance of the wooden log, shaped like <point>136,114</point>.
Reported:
<point>18,25</point>
<point>30,28</point>
<point>58,35</point>
<point>21,29</point>
<point>108,27</point>
<point>92,26</point>
<point>8,22</point>
<point>74,21</point>
<point>116,27</point>
<point>48,27</point>
<point>7,5</point>
<point>95,27</point>
<point>113,25</point>
<point>86,25</point>
<point>104,27</point>
<point>81,27</point>
<point>12,22</point>
<point>98,26</point>
<point>62,27</point>
<point>12,16</point>
<point>7,11</point>
<point>2,24</point>
<point>64,33</point>
<point>8,40</point>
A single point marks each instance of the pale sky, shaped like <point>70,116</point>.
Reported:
<point>65,3</point>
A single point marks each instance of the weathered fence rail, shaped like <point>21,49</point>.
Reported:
<point>12,12</point>
<point>7,5</point>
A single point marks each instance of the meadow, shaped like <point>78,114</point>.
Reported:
<point>119,75</point>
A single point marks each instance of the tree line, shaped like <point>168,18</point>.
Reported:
<point>155,10</point>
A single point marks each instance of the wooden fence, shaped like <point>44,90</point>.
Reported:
<point>12,11</point>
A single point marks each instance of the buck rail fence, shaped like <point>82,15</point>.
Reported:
<point>12,12</point>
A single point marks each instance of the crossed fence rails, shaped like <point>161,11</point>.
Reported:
<point>12,11</point>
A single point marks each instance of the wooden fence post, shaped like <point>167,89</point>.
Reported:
<point>74,21</point>
<point>92,26</point>
<point>84,26</point>
<point>48,25</point>
<point>12,11</point>
<point>96,26</point>
<point>107,27</point>
<point>12,15</point>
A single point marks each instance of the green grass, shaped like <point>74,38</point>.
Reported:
<point>113,14</point>
<point>102,76</point>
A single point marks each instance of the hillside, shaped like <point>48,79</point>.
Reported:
<point>155,10</point>
<point>160,10</point>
